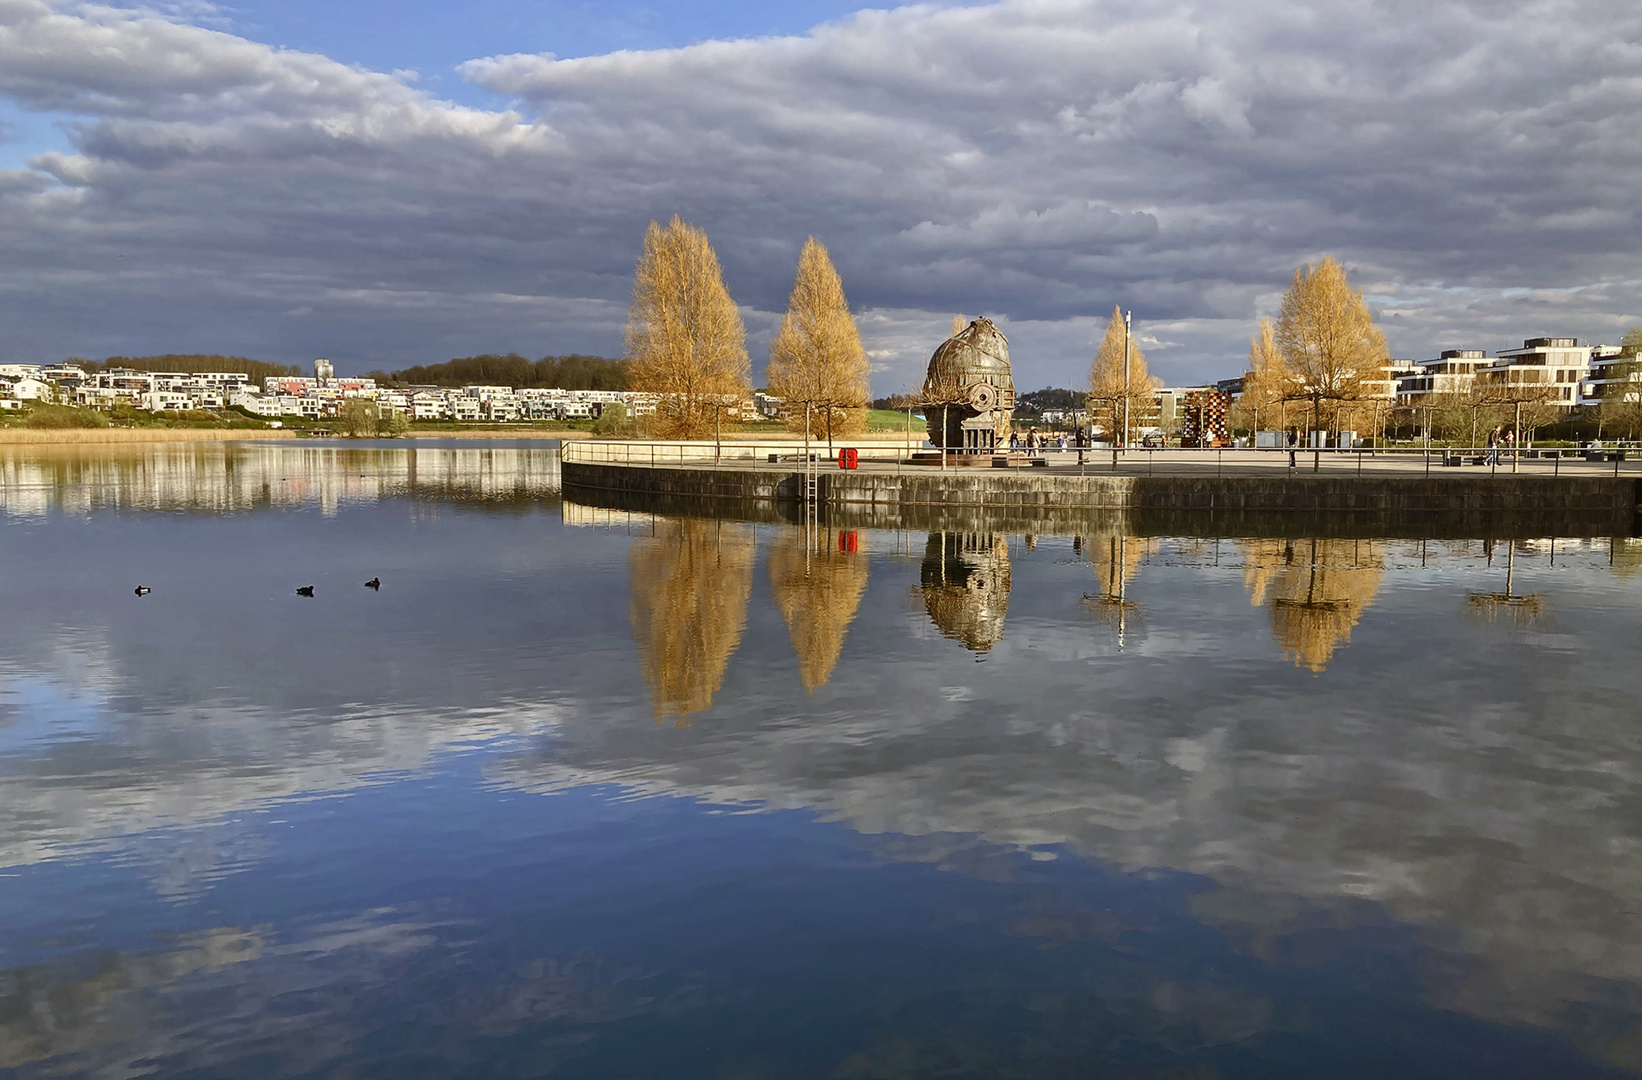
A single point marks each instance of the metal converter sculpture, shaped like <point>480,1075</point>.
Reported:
<point>965,581</point>
<point>969,394</point>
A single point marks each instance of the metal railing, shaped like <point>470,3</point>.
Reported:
<point>791,453</point>
<point>657,452</point>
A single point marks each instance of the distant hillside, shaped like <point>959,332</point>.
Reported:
<point>574,372</point>
<point>1036,401</point>
<point>192,362</point>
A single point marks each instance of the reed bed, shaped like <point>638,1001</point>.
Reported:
<point>80,436</point>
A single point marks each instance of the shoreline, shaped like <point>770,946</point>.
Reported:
<point>129,436</point>
<point>113,436</point>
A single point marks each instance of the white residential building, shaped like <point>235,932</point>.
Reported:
<point>428,406</point>
<point>29,388</point>
<point>1452,372</point>
<point>1559,365</point>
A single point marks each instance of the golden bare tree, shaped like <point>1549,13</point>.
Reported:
<point>1328,336</point>
<point>816,360</point>
<point>689,586</point>
<point>1268,382</point>
<point>685,338</point>
<point>818,591</point>
<point>1109,387</point>
<point>958,324</point>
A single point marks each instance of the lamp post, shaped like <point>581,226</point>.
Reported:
<point>1316,423</point>
<point>1516,437</point>
<point>1126,317</point>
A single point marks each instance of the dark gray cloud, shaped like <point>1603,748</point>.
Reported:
<point>1474,164</point>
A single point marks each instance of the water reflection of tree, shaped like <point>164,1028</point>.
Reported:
<point>965,584</point>
<point>1520,609</point>
<point>690,583</point>
<point>1117,559</point>
<point>1316,591</point>
<point>817,578</point>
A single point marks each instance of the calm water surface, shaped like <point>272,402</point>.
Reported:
<point>584,793</point>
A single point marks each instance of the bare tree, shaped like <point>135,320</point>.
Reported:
<point>1119,375</point>
<point>1268,382</point>
<point>1328,337</point>
<point>816,360</point>
<point>685,338</point>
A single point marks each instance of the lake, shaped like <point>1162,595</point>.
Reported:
<point>589,792</point>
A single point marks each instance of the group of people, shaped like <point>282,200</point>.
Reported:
<point>1036,440</point>
<point>1501,438</point>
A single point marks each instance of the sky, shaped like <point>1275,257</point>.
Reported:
<point>388,185</point>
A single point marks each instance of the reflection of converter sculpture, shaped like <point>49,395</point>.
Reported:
<point>969,395</point>
<point>965,582</point>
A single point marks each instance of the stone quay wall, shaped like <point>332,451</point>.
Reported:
<point>1503,493</point>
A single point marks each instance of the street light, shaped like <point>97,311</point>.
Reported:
<point>1126,317</point>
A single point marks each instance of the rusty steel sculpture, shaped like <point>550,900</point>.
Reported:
<point>969,394</point>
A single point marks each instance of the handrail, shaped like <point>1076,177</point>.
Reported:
<point>790,452</point>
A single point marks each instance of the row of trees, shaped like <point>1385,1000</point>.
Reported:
<point>192,362</point>
<point>686,341</point>
<point>1324,362</point>
<point>573,372</point>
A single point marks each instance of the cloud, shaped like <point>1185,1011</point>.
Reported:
<point>1038,160</point>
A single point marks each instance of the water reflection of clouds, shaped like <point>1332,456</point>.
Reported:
<point>1473,785</point>
<point>208,999</point>
<point>109,781</point>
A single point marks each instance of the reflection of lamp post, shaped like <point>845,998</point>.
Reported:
<point>1113,601</point>
<point>1523,609</point>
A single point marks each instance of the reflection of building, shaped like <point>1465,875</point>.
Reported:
<point>1316,589</point>
<point>965,582</point>
<point>817,583</point>
<point>227,476</point>
<point>690,582</point>
<point>969,390</point>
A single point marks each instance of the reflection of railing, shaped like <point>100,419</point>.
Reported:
<point>642,452</point>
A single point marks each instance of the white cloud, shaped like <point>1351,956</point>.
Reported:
<point>1036,160</point>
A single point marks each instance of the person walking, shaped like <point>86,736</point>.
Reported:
<point>1493,447</point>
<point>1294,444</point>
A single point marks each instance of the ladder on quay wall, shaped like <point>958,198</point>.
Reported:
<point>812,492</point>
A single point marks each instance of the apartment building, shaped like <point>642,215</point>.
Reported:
<point>1454,371</point>
<point>1557,366</point>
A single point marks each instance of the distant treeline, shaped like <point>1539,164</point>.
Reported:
<point>192,362</point>
<point>1033,402</point>
<point>574,372</point>
<point>1050,398</point>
